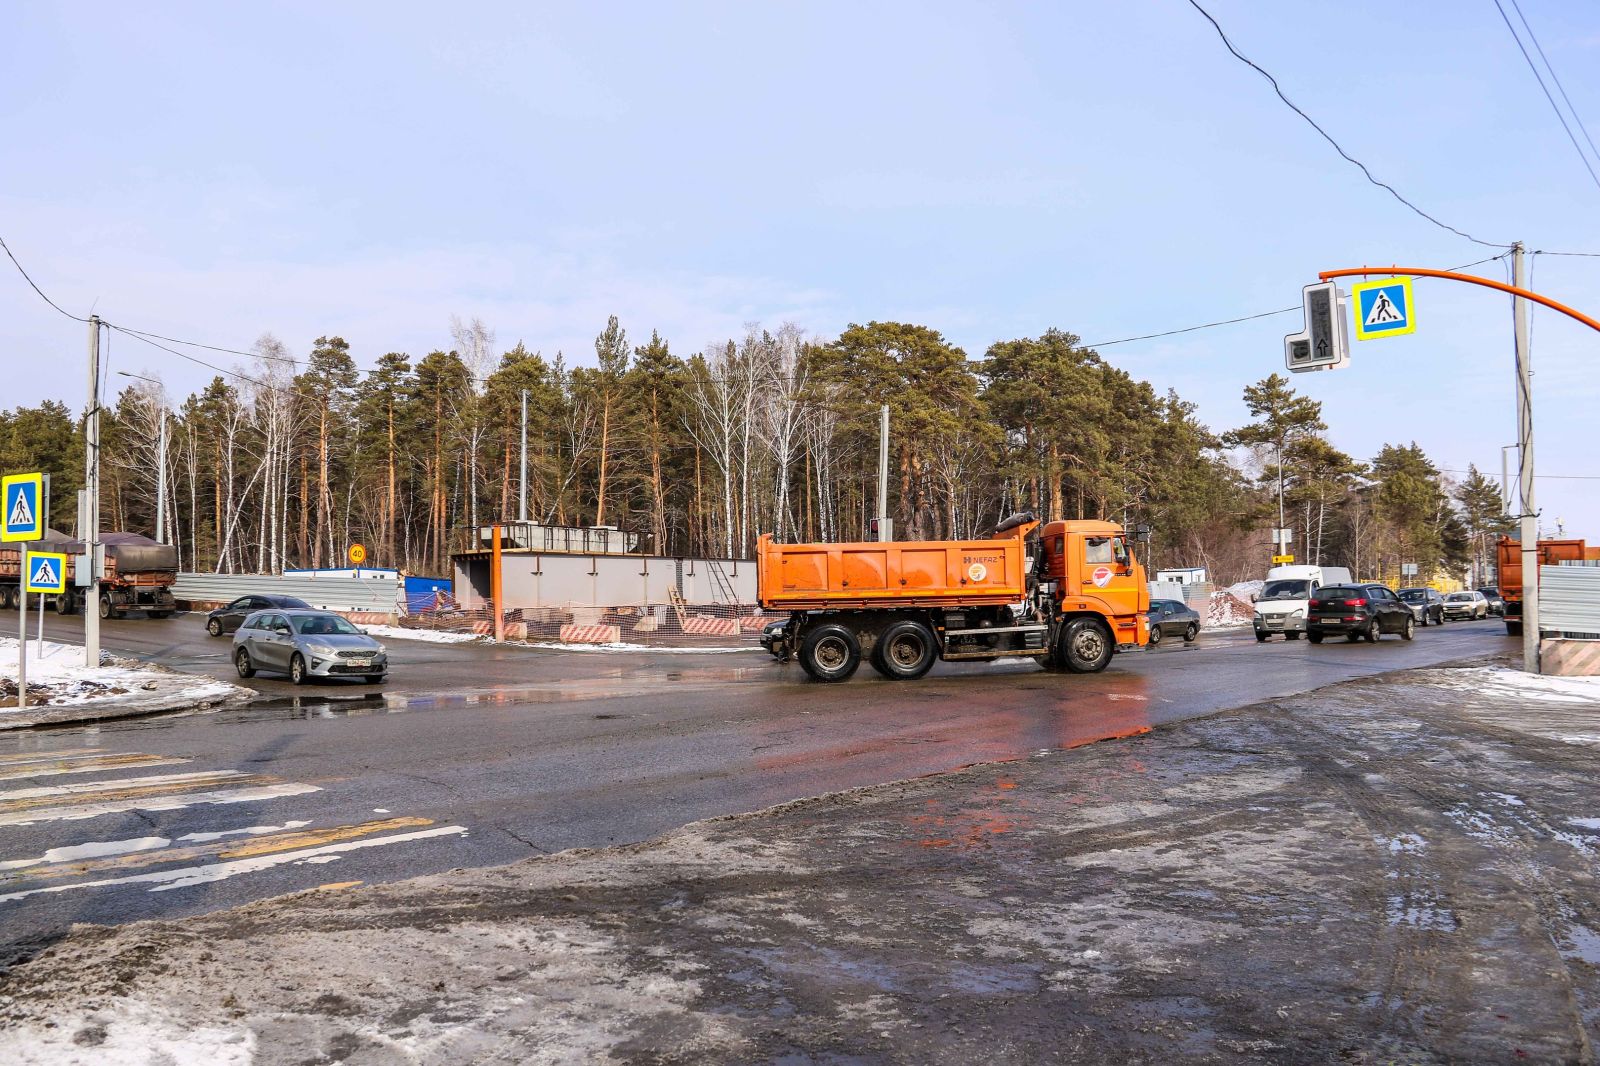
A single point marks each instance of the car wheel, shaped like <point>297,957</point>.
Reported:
<point>1190,633</point>
<point>297,669</point>
<point>1424,622</point>
<point>214,627</point>
<point>1291,635</point>
<point>241,662</point>
<point>1352,636</point>
<point>1373,632</point>
<point>904,651</point>
<point>1261,638</point>
<point>1085,646</point>
<point>1155,635</point>
<point>830,653</point>
<point>1410,630</point>
<point>1313,637</point>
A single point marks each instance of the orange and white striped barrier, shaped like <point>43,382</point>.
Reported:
<point>483,629</point>
<point>576,634</point>
<point>516,631</point>
<point>701,626</point>
<point>755,622</point>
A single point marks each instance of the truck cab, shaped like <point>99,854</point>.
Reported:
<point>1285,598</point>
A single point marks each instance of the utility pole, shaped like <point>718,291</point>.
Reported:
<point>89,510</point>
<point>1528,516</point>
<point>522,493</point>
<point>885,523</point>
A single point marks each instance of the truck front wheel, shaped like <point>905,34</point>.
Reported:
<point>904,652</point>
<point>830,653</point>
<point>1085,646</point>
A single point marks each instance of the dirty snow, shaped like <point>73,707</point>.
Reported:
<point>1230,610</point>
<point>116,681</point>
<point>1500,681</point>
<point>131,1033</point>
<point>431,636</point>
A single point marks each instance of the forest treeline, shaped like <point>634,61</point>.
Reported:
<point>292,457</point>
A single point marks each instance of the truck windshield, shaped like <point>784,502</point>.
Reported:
<point>1297,589</point>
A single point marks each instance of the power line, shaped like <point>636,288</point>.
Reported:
<point>1583,255</point>
<point>35,287</point>
<point>1545,89</point>
<point>213,347</point>
<point>1327,137</point>
<point>1555,78</point>
<point>191,358</point>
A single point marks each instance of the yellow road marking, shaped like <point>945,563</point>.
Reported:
<point>334,886</point>
<point>95,806</point>
<point>87,765</point>
<point>257,846</point>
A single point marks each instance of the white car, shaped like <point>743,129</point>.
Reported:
<point>1466,605</point>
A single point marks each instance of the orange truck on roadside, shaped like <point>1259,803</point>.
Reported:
<point>1066,593</point>
<point>1508,560</point>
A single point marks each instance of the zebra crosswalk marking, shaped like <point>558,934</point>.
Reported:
<point>84,765</point>
<point>262,845</point>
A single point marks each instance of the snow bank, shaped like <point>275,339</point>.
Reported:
<point>431,636</point>
<point>59,678</point>
<point>1502,681</point>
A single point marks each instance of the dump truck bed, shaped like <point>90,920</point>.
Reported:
<point>887,574</point>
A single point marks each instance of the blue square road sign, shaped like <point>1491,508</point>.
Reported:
<point>21,507</point>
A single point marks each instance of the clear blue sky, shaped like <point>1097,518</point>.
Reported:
<point>218,171</point>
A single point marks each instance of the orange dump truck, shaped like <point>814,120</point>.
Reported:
<point>1066,593</point>
<point>1508,560</point>
<point>138,576</point>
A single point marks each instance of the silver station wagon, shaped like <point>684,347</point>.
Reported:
<point>307,644</point>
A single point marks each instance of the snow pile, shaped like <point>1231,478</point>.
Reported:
<point>1229,609</point>
<point>1245,589</point>
<point>58,677</point>
<point>432,636</point>
<point>1514,684</point>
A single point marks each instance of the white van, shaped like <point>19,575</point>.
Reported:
<point>1285,598</point>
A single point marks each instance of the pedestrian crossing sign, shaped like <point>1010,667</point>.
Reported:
<point>1384,308</point>
<point>21,513</point>
<point>47,572</point>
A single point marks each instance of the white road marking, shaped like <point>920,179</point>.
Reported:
<point>189,876</point>
<point>249,830</point>
<point>174,802</point>
<point>91,850</point>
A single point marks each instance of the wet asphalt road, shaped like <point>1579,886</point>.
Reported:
<point>477,755</point>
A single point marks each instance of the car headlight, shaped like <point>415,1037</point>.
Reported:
<point>1297,612</point>
<point>322,650</point>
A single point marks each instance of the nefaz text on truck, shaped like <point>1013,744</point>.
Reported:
<point>1066,593</point>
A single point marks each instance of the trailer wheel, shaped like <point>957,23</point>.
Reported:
<point>1513,629</point>
<point>830,653</point>
<point>8,598</point>
<point>1085,646</point>
<point>904,652</point>
<point>67,603</point>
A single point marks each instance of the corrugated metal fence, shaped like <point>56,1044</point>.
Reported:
<point>1569,600</point>
<point>370,593</point>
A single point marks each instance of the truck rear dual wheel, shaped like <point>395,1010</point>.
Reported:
<point>1084,646</point>
<point>904,651</point>
<point>67,603</point>
<point>830,653</point>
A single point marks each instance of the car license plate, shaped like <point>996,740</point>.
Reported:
<point>359,662</point>
<point>1274,623</point>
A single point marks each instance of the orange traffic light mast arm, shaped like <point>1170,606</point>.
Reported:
<point>1473,279</point>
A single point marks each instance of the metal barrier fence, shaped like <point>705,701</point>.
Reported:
<point>657,625</point>
<point>368,594</point>
<point>1569,600</point>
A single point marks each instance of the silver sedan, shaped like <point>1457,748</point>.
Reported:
<point>306,644</point>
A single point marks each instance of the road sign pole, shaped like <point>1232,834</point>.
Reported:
<point>89,518</point>
<point>1528,515</point>
<point>22,630</point>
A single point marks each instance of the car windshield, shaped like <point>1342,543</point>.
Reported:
<point>1414,595</point>
<point>1460,597</point>
<point>323,625</point>
<point>1297,589</point>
